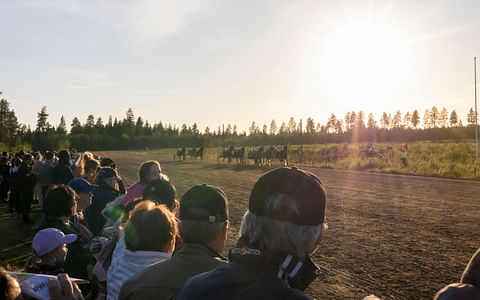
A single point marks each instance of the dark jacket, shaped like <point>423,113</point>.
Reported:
<point>78,255</point>
<point>160,280</point>
<point>250,275</point>
<point>93,215</point>
<point>62,174</point>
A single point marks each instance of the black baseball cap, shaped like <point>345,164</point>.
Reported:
<point>303,187</point>
<point>107,172</point>
<point>205,203</point>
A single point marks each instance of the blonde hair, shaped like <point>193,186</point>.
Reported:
<point>150,228</point>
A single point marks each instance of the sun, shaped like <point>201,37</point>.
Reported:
<point>364,62</point>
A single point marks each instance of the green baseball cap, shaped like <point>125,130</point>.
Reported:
<point>204,203</point>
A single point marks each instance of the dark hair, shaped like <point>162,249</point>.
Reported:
<point>64,158</point>
<point>145,169</point>
<point>9,287</point>
<point>150,228</point>
<point>48,155</point>
<point>17,161</point>
<point>107,162</point>
<point>161,191</point>
<point>59,202</point>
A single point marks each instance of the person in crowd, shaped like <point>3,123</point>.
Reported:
<point>83,190</point>
<point>90,170</point>
<point>469,286</point>
<point>161,191</point>
<point>106,192</point>
<point>49,247</point>
<point>203,228</point>
<point>148,171</point>
<point>45,177</point>
<point>108,162</point>
<point>15,186</point>
<point>62,173</point>
<point>284,224</point>
<point>59,207</point>
<point>27,187</point>
<point>37,164</point>
<point>149,237</point>
<point>9,287</point>
<point>4,174</point>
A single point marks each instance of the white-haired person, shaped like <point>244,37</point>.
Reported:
<point>284,224</point>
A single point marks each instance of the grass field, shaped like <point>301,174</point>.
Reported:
<point>396,236</point>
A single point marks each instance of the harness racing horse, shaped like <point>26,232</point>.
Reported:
<point>180,154</point>
<point>239,155</point>
<point>282,155</point>
<point>226,153</point>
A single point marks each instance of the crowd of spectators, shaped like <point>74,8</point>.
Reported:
<point>142,242</point>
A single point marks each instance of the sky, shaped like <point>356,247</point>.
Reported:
<point>219,61</point>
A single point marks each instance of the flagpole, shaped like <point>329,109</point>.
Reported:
<point>476,114</point>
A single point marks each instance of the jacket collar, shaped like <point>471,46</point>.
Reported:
<point>190,248</point>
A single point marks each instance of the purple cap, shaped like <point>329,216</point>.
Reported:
<point>48,239</point>
<point>80,185</point>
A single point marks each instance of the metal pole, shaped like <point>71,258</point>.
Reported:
<point>476,115</point>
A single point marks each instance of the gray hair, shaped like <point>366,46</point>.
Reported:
<point>200,232</point>
<point>271,234</point>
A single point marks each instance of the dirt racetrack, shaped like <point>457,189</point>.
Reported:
<point>398,237</point>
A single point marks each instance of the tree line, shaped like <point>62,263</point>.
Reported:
<point>135,133</point>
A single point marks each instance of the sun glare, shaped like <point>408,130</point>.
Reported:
<point>364,62</point>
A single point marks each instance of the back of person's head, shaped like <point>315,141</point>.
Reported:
<point>286,212</point>
<point>9,287</point>
<point>161,191</point>
<point>107,162</point>
<point>64,157</point>
<point>471,275</point>
<point>59,202</point>
<point>49,155</point>
<point>150,228</point>
<point>28,158</point>
<point>203,214</point>
<point>105,173</point>
<point>145,170</point>
<point>17,162</point>
<point>91,165</point>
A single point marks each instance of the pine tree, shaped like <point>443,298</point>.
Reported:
<point>62,126</point>
<point>453,118</point>
<point>397,119</point>
<point>471,117</point>
<point>443,118</point>
<point>42,121</point>
<point>427,119</point>
<point>310,126</point>
<point>415,119</point>
<point>292,125</point>
<point>273,128</point>
<point>371,123</point>
<point>384,121</point>
<point>406,119</point>
<point>434,116</point>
